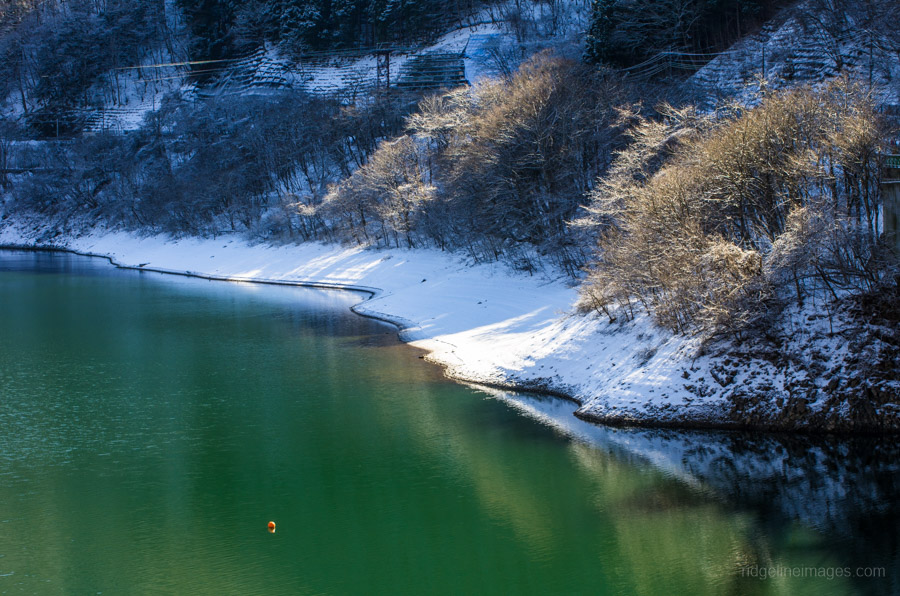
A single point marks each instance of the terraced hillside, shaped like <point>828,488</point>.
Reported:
<point>807,43</point>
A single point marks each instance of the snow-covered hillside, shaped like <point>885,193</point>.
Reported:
<point>487,43</point>
<point>805,43</point>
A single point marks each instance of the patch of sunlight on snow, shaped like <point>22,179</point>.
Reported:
<point>251,274</point>
<point>340,266</point>
<point>514,325</point>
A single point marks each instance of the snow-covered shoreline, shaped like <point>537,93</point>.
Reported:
<point>484,323</point>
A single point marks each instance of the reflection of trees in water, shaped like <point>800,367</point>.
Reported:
<point>845,488</point>
<point>826,482</point>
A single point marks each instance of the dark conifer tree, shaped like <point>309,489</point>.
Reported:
<point>599,37</point>
<point>210,23</point>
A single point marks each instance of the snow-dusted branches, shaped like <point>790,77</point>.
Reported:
<point>702,218</point>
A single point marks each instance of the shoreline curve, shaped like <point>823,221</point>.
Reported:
<point>692,418</point>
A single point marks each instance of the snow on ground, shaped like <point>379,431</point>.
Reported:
<point>485,323</point>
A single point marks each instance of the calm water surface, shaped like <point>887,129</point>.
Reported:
<point>150,427</point>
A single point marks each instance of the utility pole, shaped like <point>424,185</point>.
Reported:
<point>890,192</point>
<point>383,66</point>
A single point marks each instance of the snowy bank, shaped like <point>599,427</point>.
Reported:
<point>485,323</point>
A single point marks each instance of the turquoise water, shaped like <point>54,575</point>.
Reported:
<point>151,426</point>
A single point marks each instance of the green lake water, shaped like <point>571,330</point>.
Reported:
<point>151,426</point>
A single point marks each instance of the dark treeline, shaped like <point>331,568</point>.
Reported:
<point>258,164</point>
<point>627,32</point>
<point>222,28</point>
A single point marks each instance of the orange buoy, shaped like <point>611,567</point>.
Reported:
<point>272,526</point>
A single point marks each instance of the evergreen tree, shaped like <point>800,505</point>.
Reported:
<point>599,37</point>
<point>210,23</point>
<point>302,24</point>
<point>350,18</point>
<point>626,33</point>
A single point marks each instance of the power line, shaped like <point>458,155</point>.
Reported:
<point>172,64</point>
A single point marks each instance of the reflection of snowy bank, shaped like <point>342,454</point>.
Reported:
<point>832,485</point>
